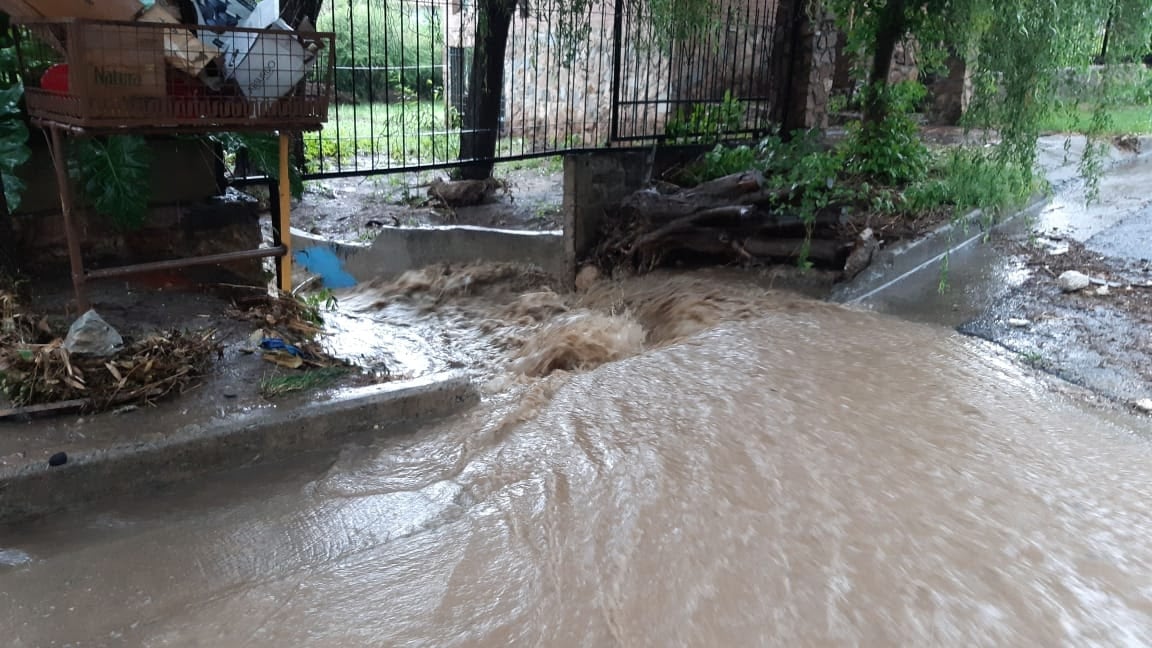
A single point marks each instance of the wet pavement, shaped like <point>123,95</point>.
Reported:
<point>1004,288</point>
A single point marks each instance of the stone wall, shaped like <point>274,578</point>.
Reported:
<point>812,73</point>
<point>950,93</point>
<point>557,98</point>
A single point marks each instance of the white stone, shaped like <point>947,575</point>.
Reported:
<point>1071,281</point>
<point>1144,405</point>
<point>1018,322</point>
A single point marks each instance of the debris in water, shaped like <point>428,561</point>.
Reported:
<point>586,277</point>
<point>1071,281</point>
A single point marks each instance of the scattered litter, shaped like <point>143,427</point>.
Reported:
<point>91,335</point>
<point>288,331</point>
<point>1103,291</point>
<point>1018,322</point>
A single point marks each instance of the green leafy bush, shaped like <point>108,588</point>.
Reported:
<point>395,46</point>
<point>115,175</point>
<point>14,150</point>
<point>970,178</point>
<point>890,151</point>
<point>708,122</point>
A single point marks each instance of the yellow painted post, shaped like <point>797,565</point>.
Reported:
<point>285,217</point>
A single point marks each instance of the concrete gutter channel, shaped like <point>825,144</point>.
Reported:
<point>36,489</point>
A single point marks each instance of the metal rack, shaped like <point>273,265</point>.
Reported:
<point>158,99</point>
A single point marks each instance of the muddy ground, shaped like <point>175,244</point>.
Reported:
<point>1097,337</point>
<point>354,209</point>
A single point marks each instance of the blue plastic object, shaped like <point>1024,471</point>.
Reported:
<point>321,260</point>
<point>276,344</point>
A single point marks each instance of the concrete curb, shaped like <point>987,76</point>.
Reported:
<point>37,489</point>
<point>894,264</point>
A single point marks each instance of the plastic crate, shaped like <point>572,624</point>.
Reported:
<point>101,75</point>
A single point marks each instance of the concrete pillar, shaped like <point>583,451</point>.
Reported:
<point>594,184</point>
<point>951,93</point>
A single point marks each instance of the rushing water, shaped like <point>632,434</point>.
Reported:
<point>659,462</point>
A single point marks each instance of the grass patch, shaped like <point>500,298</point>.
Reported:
<point>279,384</point>
<point>409,132</point>
<point>1123,120</point>
<point>549,164</point>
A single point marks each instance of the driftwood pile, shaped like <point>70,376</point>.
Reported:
<point>733,218</point>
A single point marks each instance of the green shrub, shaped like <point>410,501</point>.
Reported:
<point>708,122</point>
<point>970,178</point>
<point>397,47</point>
<point>890,152</point>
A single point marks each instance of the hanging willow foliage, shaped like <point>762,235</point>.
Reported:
<point>1015,51</point>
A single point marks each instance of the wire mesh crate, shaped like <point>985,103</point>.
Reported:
<point>105,75</point>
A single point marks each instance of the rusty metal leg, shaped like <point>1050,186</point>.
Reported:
<point>60,162</point>
<point>285,187</point>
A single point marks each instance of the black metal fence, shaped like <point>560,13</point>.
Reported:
<point>572,82</point>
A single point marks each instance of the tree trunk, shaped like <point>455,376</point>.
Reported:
<point>295,11</point>
<point>889,30</point>
<point>1107,35</point>
<point>485,89</point>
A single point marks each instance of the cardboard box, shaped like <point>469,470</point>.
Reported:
<point>117,61</point>
<point>263,65</point>
<point>182,49</point>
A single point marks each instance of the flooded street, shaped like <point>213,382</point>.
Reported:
<point>657,463</point>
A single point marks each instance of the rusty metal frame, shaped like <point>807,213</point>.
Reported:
<point>281,229</point>
<point>285,116</point>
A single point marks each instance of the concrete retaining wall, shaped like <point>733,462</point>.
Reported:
<point>398,249</point>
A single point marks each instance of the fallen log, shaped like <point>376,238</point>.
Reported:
<point>819,250</point>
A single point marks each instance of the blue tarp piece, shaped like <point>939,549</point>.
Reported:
<point>321,260</point>
<point>276,344</point>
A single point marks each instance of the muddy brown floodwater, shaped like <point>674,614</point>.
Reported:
<point>721,466</point>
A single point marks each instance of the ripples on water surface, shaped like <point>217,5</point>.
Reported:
<point>691,463</point>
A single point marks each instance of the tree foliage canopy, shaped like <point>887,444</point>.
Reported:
<point>1015,50</point>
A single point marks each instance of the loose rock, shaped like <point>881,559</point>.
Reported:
<point>58,459</point>
<point>1144,405</point>
<point>1071,281</point>
<point>1018,322</point>
<point>91,335</point>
